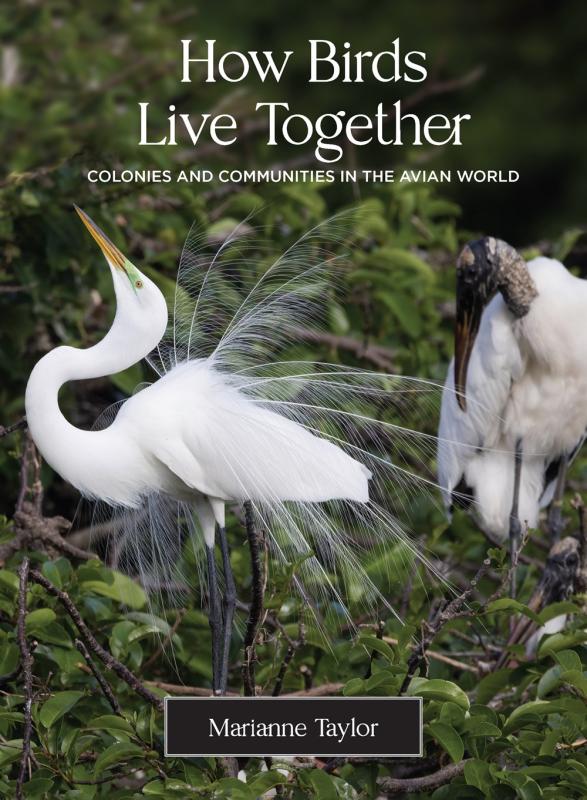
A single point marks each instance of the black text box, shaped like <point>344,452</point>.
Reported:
<point>287,726</point>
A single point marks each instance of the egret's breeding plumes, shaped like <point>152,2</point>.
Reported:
<point>231,419</point>
<point>520,373</point>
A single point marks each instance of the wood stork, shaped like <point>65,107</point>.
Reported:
<point>514,406</point>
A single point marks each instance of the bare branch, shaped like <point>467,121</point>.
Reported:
<point>27,669</point>
<point>102,682</point>
<point>381,357</point>
<point>92,643</point>
<point>390,786</point>
<point>16,426</point>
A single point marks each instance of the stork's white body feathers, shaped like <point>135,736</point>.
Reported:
<point>527,381</point>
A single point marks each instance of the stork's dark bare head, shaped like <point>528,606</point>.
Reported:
<point>484,267</point>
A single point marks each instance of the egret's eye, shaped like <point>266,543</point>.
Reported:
<point>139,284</point>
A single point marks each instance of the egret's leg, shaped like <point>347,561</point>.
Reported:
<point>215,617</point>
<point>229,604</point>
<point>256,609</point>
<point>515,525</point>
<point>555,516</point>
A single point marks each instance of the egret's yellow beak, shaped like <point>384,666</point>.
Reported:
<point>109,249</point>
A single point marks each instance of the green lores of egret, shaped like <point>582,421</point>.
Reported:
<point>230,419</point>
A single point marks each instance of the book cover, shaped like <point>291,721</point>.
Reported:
<point>293,389</point>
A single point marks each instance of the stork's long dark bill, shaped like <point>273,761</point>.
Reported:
<point>112,253</point>
<point>469,312</point>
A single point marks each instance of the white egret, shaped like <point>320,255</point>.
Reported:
<point>521,357</point>
<point>227,421</point>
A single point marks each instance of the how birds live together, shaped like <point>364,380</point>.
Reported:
<point>310,448</point>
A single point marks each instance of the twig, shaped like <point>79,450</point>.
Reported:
<point>292,647</point>
<point>424,783</point>
<point>31,528</point>
<point>256,609</point>
<point>102,682</point>
<point>379,634</point>
<point>25,460</point>
<point>451,610</point>
<point>200,691</point>
<point>16,426</point>
<point>436,656</point>
<point>579,506</point>
<point>27,668</point>
<point>381,357</point>
<point>324,690</point>
<point>94,646</point>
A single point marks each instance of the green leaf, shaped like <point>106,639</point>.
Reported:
<point>119,751</point>
<point>448,739</point>
<point>491,684</point>
<point>40,617</point>
<point>356,686</point>
<point>404,310</point>
<point>122,589</point>
<point>576,678</point>
<point>10,751</point>
<point>265,781</point>
<point>373,643</point>
<point>509,605</point>
<point>9,658</point>
<point>109,722</point>
<point>323,784</point>
<point>560,641</point>
<point>8,582</point>
<point>566,243</point>
<point>568,659</point>
<point>556,609</point>
<point>37,787</point>
<point>478,774</point>
<point>58,705</point>
<point>477,727</point>
<point>519,716</point>
<point>232,788</point>
<point>437,689</point>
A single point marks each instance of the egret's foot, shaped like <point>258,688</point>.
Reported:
<point>215,619</point>
<point>228,607</point>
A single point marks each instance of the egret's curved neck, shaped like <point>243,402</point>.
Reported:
<point>56,438</point>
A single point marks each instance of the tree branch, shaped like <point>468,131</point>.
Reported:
<point>390,786</point>
<point>102,682</point>
<point>381,357</point>
<point>27,668</point>
<point>16,426</point>
<point>92,643</point>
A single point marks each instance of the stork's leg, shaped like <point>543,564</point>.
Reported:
<point>229,604</point>
<point>215,617</point>
<point>515,525</point>
<point>555,516</point>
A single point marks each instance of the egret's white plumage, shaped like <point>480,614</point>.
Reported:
<point>526,382</point>
<point>310,445</point>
